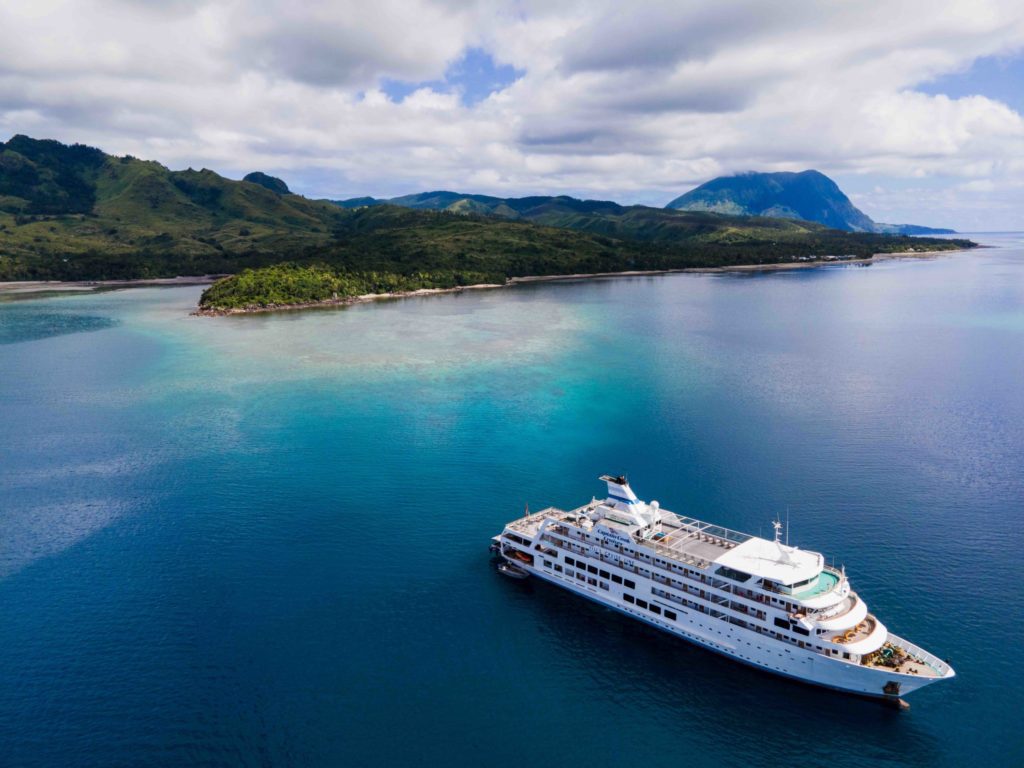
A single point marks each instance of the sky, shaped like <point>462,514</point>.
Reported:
<point>915,107</point>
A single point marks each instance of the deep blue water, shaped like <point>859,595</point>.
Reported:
<point>263,540</point>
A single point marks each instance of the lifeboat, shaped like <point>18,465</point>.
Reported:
<point>512,571</point>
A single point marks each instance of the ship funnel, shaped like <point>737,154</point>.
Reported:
<point>620,495</point>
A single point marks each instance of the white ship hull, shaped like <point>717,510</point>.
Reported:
<point>747,647</point>
<point>760,602</point>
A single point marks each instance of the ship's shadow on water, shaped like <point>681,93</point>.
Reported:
<point>635,666</point>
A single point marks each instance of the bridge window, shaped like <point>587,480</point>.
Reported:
<point>732,573</point>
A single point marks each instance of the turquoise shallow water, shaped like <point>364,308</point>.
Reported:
<point>263,540</point>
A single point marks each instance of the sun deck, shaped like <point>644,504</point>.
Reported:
<point>684,539</point>
<point>689,540</point>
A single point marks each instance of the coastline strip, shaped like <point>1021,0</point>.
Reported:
<point>780,266</point>
<point>28,288</point>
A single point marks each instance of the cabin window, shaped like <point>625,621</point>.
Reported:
<point>655,609</point>
<point>846,655</point>
<point>629,584</point>
<point>558,568</point>
<point>592,568</point>
<point>616,578</point>
<point>641,603</point>
<point>580,576</point>
<point>670,615</point>
<point>570,561</point>
<point>604,574</point>
<point>603,585</point>
<point>781,623</point>
<point>629,598</point>
<point>801,631</point>
<point>547,563</point>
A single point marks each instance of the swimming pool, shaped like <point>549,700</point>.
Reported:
<point>826,581</point>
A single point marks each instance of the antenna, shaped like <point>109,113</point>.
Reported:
<point>777,525</point>
<point>787,525</point>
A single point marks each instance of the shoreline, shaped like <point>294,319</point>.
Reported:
<point>347,301</point>
<point>512,281</point>
<point>29,288</point>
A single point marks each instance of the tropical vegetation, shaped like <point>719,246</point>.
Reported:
<point>75,213</point>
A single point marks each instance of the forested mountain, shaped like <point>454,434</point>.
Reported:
<point>808,195</point>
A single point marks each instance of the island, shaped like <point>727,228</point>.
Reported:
<point>74,214</point>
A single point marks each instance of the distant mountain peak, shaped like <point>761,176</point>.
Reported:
<point>809,195</point>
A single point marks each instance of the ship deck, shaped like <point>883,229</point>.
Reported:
<point>684,539</point>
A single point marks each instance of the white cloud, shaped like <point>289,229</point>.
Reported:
<point>636,102</point>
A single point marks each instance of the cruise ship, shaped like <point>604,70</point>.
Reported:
<point>759,601</point>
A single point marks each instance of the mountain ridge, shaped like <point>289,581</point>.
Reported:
<point>72,212</point>
<point>808,196</point>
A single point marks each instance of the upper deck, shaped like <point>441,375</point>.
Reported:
<point>687,540</point>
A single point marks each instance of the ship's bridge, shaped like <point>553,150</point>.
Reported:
<point>789,567</point>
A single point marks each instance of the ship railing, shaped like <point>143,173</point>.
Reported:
<point>933,661</point>
<point>578,545</point>
<point>694,525</point>
<point>676,555</point>
<point>833,611</point>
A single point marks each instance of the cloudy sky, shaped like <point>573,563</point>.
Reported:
<point>915,107</point>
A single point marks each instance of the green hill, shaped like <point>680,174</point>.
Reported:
<point>73,212</point>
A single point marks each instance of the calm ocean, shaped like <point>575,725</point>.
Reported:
<point>263,540</point>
